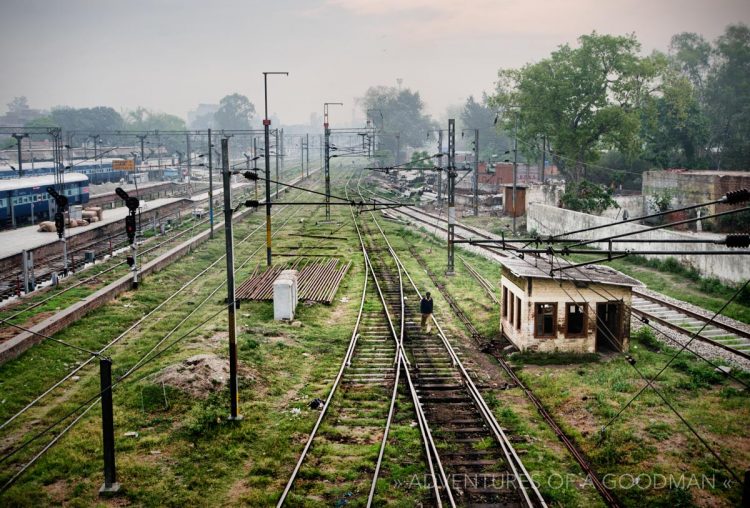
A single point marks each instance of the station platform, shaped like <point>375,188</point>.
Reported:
<point>14,241</point>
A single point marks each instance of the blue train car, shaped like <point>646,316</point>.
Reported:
<point>22,197</point>
<point>99,171</point>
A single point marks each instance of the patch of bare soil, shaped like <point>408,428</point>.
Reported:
<point>8,332</point>
<point>199,375</point>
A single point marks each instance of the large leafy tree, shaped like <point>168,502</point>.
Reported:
<point>479,115</point>
<point>235,112</point>
<point>402,114</point>
<point>580,99</point>
<point>728,99</point>
<point>141,119</point>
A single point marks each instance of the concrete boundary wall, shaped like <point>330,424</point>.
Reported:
<point>549,220</point>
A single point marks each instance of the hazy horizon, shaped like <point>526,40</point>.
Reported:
<point>172,55</point>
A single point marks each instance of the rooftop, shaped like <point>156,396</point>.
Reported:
<point>702,172</point>
<point>539,268</point>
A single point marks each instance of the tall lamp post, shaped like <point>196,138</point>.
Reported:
<point>267,134</point>
<point>327,155</point>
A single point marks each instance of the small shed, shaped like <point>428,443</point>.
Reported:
<point>584,310</point>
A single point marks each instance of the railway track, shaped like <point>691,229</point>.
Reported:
<point>648,306</point>
<point>37,411</point>
<point>469,460</point>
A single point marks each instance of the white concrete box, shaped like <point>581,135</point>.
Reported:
<point>285,295</point>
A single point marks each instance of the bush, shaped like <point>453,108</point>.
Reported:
<point>647,338</point>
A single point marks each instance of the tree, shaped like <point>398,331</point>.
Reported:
<point>235,112</point>
<point>403,115</point>
<point>691,55</point>
<point>479,115</point>
<point>18,104</point>
<point>141,119</point>
<point>93,120</point>
<point>675,130</point>
<point>727,98</point>
<point>581,99</point>
<point>587,197</point>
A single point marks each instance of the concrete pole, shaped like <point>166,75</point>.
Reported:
<point>231,305</point>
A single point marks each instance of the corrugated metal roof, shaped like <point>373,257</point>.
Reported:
<point>539,268</point>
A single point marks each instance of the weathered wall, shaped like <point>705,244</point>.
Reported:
<point>546,194</point>
<point>550,220</point>
<point>549,291</point>
<point>633,204</point>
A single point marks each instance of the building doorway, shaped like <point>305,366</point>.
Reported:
<point>608,327</point>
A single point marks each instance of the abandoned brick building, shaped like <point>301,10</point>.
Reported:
<point>582,310</point>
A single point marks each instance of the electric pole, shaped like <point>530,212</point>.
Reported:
<point>19,137</point>
<point>476,172</point>
<point>210,185</point>
<point>440,173</point>
<point>267,139</point>
<point>189,165</point>
<point>515,170</point>
<point>327,154</point>
<point>276,144</point>
<point>231,305</point>
<point>451,192</point>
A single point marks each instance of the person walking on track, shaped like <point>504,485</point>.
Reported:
<point>425,307</point>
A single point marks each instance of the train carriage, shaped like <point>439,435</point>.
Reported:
<point>22,197</point>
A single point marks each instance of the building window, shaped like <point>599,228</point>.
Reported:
<point>518,313</point>
<point>575,319</point>
<point>510,311</point>
<point>505,302</point>
<point>545,318</point>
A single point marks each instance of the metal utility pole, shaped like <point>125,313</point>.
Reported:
<point>96,140</point>
<point>142,137</point>
<point>231,305</point>
<point>327,155</point>
<point>515,170</point>
<point>440,173</point>
<point>19,137</point>
<point>276,143</point>
<point>307,149</point>
<point>189,165</point>
<point>476,172</point>
<point>267,136</point>
<point>302,155</point>
<point>210,185</point>
<point>110,485</point>
<point>451,192</point>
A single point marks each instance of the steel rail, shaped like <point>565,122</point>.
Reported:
<point>403,362</point>
<point>344,364</point>
<point>512,458</point>
<point>127,331</point>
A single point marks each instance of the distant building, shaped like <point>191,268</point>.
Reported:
<point>690,187</point>
<point>582,311</point>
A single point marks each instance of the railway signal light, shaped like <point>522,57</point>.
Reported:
<point>60,201</point>
<point>130,227</point>
<point>60,223</point>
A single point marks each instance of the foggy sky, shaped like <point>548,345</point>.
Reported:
<point>170,55</point>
